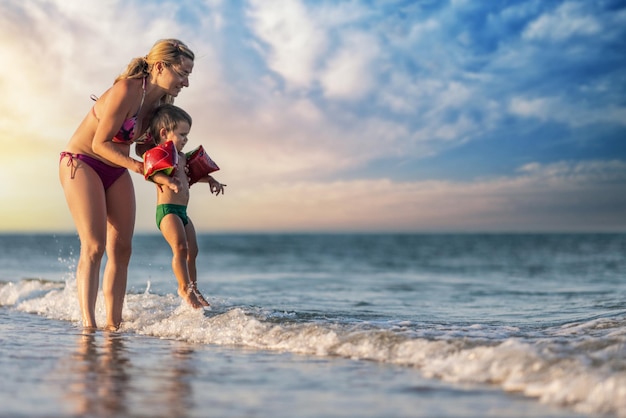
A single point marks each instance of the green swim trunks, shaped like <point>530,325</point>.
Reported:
<point>167,208</point>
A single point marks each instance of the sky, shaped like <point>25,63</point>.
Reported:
<point>341,116</point>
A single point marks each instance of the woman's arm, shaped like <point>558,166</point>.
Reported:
<point>117,105</point>
<point>140,149</point>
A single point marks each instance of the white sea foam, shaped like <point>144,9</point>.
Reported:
<point>579,365</point>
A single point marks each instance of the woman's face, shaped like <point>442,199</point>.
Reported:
<point>176,76</point>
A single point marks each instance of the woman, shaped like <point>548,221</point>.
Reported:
<point>93,171</point>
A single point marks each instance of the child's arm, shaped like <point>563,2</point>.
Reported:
<point>163,179</point>
<point>215,186</point>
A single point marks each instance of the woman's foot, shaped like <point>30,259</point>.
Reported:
<point>112,328</point>
<point>89,329</point>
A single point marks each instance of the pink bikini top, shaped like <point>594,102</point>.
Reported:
<point>126,134</point>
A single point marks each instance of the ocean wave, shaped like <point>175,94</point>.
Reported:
<point>580,365</point>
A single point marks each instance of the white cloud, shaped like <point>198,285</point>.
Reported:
<point>309,45</point>
<point>420,29</point>
<point>294,40</point>
<point>592,172</point>
<point>560,110</point>
<point>457,131</point>
<point>351,72</point>
<point>539,108</point>
<point>568,20</point>
<point>453,95</point>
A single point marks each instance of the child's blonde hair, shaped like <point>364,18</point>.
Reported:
<point>166,116</point>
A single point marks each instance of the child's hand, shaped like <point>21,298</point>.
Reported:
<point>173,184</point>
<point>215,186</point>
<point>163,180</point>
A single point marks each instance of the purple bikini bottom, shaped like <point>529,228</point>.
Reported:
<point>108,174</point>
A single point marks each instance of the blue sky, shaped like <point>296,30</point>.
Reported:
<point>343,115</point>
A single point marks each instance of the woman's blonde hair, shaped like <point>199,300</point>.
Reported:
<point>167,51</point>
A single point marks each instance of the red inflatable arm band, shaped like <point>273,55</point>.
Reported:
<point>199,165</point>
<point>163,157</point>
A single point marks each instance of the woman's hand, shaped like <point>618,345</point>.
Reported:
<point>137,166</point>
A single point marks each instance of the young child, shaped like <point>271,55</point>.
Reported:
<point>171,123</point>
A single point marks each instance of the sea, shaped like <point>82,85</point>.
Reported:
<point>324,325</point>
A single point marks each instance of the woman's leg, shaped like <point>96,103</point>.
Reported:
<point>120,201</point>
<point>86,200</point>
<point>173,231</point>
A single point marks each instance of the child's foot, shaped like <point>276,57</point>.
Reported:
<point>201,299</point>
<point>189,296</point>
<point>199,296</point>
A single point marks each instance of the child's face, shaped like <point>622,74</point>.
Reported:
<point>179,135</point>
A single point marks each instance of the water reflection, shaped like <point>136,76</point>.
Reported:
<point>101,381</point>
<point>109,379</point>
<point>178,386</point>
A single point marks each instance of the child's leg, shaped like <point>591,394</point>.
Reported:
<point>192,254</point>
<point>173,231</point>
